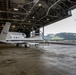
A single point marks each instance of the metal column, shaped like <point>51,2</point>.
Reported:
<point>43,33</point>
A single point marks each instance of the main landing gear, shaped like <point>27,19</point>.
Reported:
<point>20,45</point>
<point>17,45</point>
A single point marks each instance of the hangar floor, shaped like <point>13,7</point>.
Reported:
<point>25,61</point>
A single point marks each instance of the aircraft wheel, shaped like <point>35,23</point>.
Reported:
<point>26,46</point>
<point>17,45</point>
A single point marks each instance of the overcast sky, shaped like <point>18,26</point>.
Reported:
<point>65,25</point>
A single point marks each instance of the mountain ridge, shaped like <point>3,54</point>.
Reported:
<point>61,36</point>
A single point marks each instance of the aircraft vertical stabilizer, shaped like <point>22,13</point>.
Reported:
<point>5,31</point>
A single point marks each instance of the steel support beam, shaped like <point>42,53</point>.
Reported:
<point>11,12</point>
<point>10,19</point>
<point>43,33</point>
<point>48,10</point>
<point>26,24</point>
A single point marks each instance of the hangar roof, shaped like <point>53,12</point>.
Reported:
<point>32,14</point>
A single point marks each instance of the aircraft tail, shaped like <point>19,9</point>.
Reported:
<point>5,31</point>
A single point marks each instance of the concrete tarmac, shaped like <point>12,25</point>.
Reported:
<point>25,61</point>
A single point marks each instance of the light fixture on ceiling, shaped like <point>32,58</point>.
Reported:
<point>39,4</point>
<point>29,21</point>
<point>27,28</point>
<point>15,16</point>
<point>47,19</point>
<point>15,9</point>
<point>33,17</point>
<point>24,26</point>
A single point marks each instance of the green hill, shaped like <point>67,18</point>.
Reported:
<point>61,36</point>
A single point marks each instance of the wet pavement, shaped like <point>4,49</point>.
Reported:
<point>27,61</point>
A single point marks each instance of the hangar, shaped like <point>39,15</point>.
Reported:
<point>28,15</point>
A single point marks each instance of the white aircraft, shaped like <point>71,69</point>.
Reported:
<point>17,37</point>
